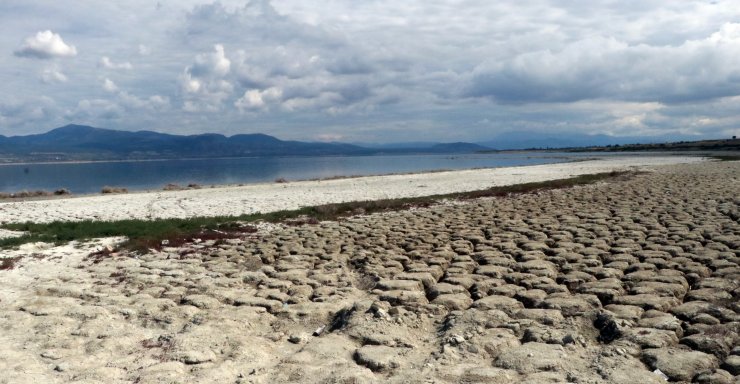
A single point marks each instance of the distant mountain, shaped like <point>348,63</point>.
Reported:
<point>79,142</point>
<point>527,140</point>
<point>458,147</point>
<point>426,147</point>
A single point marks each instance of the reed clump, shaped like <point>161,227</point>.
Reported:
<point>109,189</point>
<point>27,194</point>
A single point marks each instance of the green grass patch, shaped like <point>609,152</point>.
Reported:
<point>726,157</point>
<point>149,234</point>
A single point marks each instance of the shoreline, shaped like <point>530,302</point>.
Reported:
<point>50,195</point>
<point>271,197</point>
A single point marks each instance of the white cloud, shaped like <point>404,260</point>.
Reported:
<point>33,111</point>
<point>52,75</point>
<point>109,85</point>
<point>144,50</point>
<point>205,83</point>
<point>106,62</point>
<point>151,103</point>
<point>254,99</point>
<point>46,45</point>
<point>214,63</point>
<point>87,109</point>
<point>380,70</point>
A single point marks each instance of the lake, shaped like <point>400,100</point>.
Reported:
<point>90,177</point>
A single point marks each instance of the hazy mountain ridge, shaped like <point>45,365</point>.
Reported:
<point>528,140</point>
<point>79,142</point>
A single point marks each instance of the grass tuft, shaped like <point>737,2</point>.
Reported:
<point>726,157</point>
<point>109,189</point>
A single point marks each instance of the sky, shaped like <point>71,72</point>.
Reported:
<point>374,70</point>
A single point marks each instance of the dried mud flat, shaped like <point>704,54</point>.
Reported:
<point>631,281</point>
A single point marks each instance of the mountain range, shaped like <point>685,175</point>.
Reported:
<point>79,142</point>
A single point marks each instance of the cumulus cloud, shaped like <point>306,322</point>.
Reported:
<point>152,103</point>
<point>109,85</point>
<point>214,63</point>
<point>117,108</point>
<point>95,109</point>
<point>604,67</point>
<point>144,50</point>
<point>309,64</point>
<point>254,99</point>
<point>106,63</point>
<point>45,45</point>
<point>384,69</point>
<point>31,111</point>
<point>52,75</point>
<point>204,83</point>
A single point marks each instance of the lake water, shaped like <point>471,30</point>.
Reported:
<point>83,178</point>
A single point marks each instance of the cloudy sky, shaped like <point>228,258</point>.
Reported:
<point>375,70</point>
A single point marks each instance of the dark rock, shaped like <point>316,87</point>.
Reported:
<point>609,329</point>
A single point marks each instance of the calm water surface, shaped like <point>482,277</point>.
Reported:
<point>81,178</point>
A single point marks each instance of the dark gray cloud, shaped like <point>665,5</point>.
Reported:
<point>600,67</point>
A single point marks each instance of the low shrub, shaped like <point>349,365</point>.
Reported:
<point>108,189</point>
<point>172,187</point>
<point>8,263</point>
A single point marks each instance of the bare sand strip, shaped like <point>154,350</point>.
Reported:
<point>237,200</point>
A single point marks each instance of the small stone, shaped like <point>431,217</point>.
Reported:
<point>490,375</point>
<point>377,357</point>
<point>193,357</point>
<point>456,340</point>
<point>454,301</point>
<point>298,338</point>
<point>502,303</point>
<point>574,305</point>
<point>50,355</point>
<point>719,376</point>
<point>660,374</point>
<point>626,312</point>
<point>532,358</point>
<point>200,301</point>
<point>732,364</point>
<point>679,364</point>
<point>543,316</point>
<point>716,345</point>
<point>651,338</point>
<point>705,318</point>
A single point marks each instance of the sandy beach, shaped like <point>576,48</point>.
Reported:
<point>634,280</point>
<point>231,201</point>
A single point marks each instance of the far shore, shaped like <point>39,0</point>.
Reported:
<point>271,197</point>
